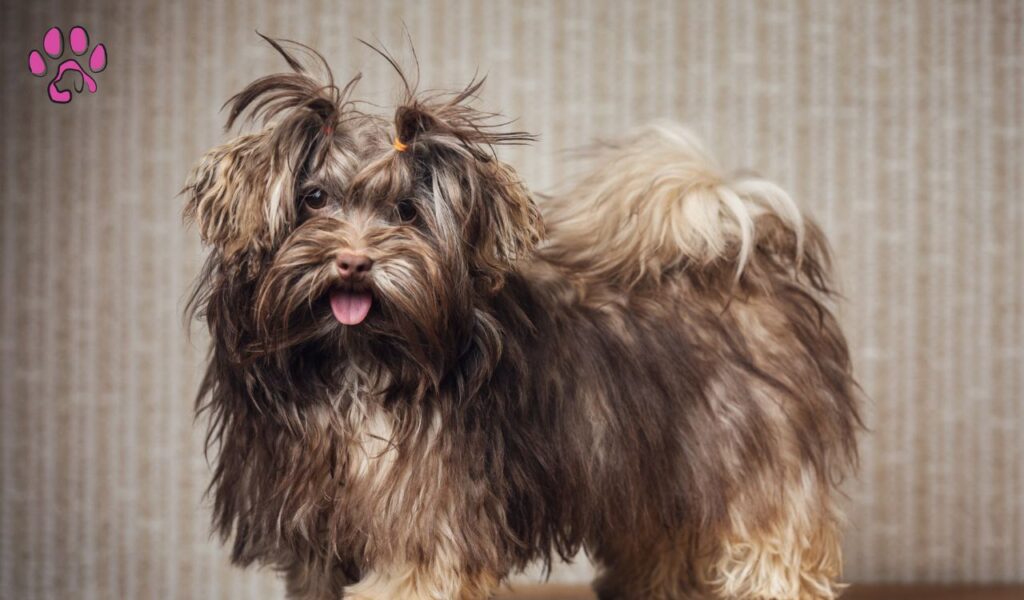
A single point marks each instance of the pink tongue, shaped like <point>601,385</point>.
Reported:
<point>350,308</point>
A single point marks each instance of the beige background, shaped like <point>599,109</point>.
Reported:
<point>899,125</point>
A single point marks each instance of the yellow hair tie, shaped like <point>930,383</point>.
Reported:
<point>399,145</point>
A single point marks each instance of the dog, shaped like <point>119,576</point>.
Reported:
<point>423,377</point>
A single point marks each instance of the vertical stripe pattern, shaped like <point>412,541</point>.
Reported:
<point>899,126</point>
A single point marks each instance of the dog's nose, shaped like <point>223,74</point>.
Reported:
<point>353,265</point>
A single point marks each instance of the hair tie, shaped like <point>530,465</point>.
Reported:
<point>399,145</point>
<point>328,130</point>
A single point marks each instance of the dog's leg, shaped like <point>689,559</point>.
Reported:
<point>645,568</point>
<point>784,549</point>
<point>789,551</point>
<point>423,582</point>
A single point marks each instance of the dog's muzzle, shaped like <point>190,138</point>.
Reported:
<point>351,300</point>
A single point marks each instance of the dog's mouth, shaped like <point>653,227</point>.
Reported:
<point>350,305</point>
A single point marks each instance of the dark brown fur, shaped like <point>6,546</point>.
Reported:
<point>508,400</point>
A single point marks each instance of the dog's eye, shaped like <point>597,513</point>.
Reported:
<point>406,211</point>
<point>314,199</point>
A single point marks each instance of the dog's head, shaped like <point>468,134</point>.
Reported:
<point>334,230</point>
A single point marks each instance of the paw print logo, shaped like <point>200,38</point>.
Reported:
<point>53,46</point>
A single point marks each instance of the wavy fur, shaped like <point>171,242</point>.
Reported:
<point>659,381</point>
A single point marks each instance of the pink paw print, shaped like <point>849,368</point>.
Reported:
<point>53,45</point>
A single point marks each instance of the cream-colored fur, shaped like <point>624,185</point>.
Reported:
<point>419,582</point>
<point>794,554</point>
<point>659,201</point>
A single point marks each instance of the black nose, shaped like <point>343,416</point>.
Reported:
<point>353,265</point>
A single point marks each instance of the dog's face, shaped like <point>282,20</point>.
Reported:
<point>339,230</point>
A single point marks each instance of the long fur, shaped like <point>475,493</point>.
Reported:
<point>649,370</point>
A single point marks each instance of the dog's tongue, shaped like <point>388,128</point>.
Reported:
<point>350,308</point>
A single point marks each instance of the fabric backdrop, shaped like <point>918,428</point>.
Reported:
<point>898,125</point>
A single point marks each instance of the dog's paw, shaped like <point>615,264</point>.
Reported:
<point>53,46</point>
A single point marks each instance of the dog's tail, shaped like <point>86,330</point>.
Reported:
<point>658,203</point>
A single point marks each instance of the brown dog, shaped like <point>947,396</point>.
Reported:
<point>414,391</point>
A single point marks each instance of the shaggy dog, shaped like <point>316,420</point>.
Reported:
<point>420,381</point>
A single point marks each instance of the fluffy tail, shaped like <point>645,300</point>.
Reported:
<point>658,202</point>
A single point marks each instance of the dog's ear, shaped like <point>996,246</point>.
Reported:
<point>456,142</point>
<point>226,194</point>
<point>504,225</point>
<point>240,193</point>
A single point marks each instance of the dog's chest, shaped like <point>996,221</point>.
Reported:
<point>388,454</point>
<point>401,481</point>
<point>370,448</point>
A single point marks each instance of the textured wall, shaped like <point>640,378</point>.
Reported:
<point>899,125</point>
